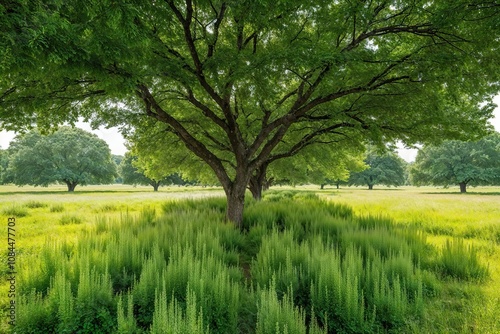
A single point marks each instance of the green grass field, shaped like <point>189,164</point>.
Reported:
<point>122,259</point>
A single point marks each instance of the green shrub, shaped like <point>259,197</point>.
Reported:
<point>56,208</point>
<point>461,261</point>
<point>279,316</point>
<point>17,211</point>
<point>301,265</point>
<point>33,315</point>
<point>35,204</point>
<point>169,318</point>
<point>126,323</point>
<point>67,219</point>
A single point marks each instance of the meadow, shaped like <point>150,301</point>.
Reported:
<point>119,259</point>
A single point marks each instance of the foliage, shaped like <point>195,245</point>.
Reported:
<point>319,164</point>
<point>117,159</point>
<point>387,169</point>
<point>69,155</point>
<point>132,174</point>
<point>4,162</point>
<point>240,84</point>
<point>16,211</point>
<point>460,261</point>
<point>316,268</point>
<point>122,241</point>
<point>459,163</point>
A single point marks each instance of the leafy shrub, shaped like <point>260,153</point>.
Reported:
<point>35,204</point>
<point>461,262</point>
<point>17,211</point>
<point>56,208</point>
<point>300,266</point>
<point>70,219</point>
<point>279,316</point>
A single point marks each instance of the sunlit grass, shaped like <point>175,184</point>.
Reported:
<point>454,304</point>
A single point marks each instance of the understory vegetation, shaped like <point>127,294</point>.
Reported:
<point>300,264</point>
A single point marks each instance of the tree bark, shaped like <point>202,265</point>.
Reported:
<point>258,182</point>
<point>156,185</point>
<point>255,188</point>
<point>71,185</point>
<point>370,186</point>
<point>463,187</point>
<point>322,186</point>
<point>235,195</point>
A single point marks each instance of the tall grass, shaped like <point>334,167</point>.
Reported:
<point>300,265</point>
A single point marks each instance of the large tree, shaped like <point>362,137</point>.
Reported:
<point>71,156</point>
<point>459,163</point>
<point>243,83</point>
<point>386,169</point>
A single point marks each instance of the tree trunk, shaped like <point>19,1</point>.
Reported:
<point>258,183</point>
<point>71,186</point>
<point>236,201</point>
<point>463,187</point>
<point>156,185</point>
<point>338,185</point>
<point>370,186</point>
<point>322,186</point>
<point>255,188</point>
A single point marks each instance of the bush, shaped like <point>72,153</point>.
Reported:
<point>70,219</point>
<point>461,262</point>
<point>17,211</point>
<point>56,208</point>
<point>300,266</point>
<point>35,204</point>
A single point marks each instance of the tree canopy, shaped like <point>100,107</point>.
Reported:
<point>71,156</point>
<point>241,84</point>
<point>459,163</point>
<point>386,169</point>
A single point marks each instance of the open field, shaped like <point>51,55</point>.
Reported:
<point>410,260</point>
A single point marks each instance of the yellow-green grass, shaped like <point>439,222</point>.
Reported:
<point>52,213</point>
<point>65,215</point>
<point>444,214</point>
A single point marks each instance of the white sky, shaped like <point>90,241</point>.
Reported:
<point>117,144</point>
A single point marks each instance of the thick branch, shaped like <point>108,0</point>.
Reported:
<point>197,147</point>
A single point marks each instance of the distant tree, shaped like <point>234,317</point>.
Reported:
<point>317,165</point>
<point>386,169</point>
<point>69,155</point>
<point>4,163</point>
<point>132,173</point>
<point>117,159</point>
<point>459,163</point>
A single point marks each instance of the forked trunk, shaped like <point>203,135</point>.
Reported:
<point>156,185</point>
<point>258,182</point>
<point>71,185</point>
<point>255,188</point>
<point>463,187</point>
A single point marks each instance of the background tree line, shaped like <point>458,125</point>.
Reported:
<point>74,157</point>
